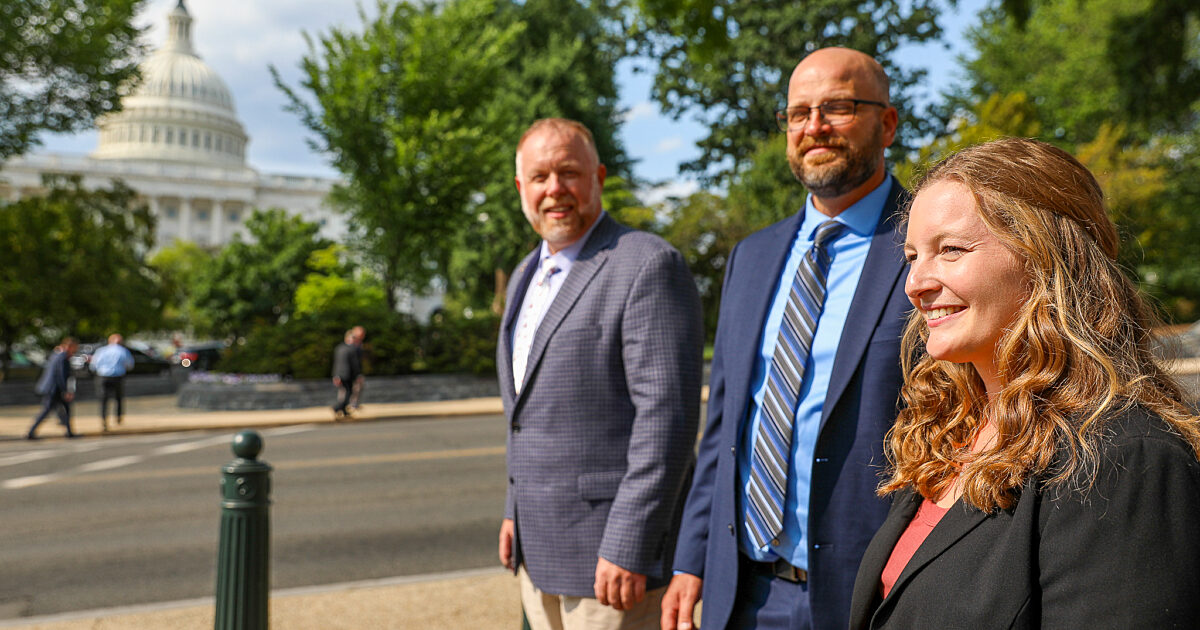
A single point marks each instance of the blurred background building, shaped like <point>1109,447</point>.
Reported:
<point>179,143</point>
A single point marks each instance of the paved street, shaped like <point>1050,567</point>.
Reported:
<point>130,519</point>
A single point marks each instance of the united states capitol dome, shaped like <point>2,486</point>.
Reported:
<point>180,112</point>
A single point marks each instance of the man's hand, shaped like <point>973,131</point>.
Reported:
<point>337,382</point>
<point>69,396</point>
<point>618,587</point>
<point>507,532</point>
<point>679,602</point>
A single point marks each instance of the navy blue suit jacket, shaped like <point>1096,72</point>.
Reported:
<point>53,381</point>
<point>860,406</point>
<point>601,436</point>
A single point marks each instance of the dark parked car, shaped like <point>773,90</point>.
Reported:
<point>199,356</point>
<point>143,362</point>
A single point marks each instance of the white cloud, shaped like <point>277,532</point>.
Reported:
<point>675,188</point>
<point>667,145</point>
<point>644,109</point>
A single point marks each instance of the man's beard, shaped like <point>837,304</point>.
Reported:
<point>837,177</point>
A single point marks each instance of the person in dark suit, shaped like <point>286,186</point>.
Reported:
<point>599,360</point>
<point>347,371</point>
<point>1045,466</point>
<point>819,403</point>
<point>54,385</point>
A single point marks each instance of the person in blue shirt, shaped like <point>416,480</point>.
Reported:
<point>111,363</point>
<point>805,374</point>
<point>56,388</point>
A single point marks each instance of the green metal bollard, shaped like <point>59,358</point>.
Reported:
<point>243,554</point>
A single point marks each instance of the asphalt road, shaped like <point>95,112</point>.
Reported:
<point>88,524</point>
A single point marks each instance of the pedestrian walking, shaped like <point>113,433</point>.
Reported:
<point>347,371</point>
<point>111,363</point>
<point>57,388</point>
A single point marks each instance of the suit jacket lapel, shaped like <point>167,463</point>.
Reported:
<point>750,306</point>
<point>585,267</point>
<point>523,275</point>
<point>866,587</point>
<point>959,520</point>
<point>884,264</point>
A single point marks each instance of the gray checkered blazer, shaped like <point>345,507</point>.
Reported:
<point>601,437</point>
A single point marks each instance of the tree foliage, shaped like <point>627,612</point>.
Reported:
<point>62,64</point>
<point>1073,58</point>
<point>421,111</point>
<point>727,62</point>
<point>251,284</point>
<point>561,64</point>
<point>397,107</point>
<point>73,261</point>
<point>1151,49</point>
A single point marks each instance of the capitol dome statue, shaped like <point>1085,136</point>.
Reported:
<point>180,112</point>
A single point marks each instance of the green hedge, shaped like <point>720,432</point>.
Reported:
<point>303,347</point>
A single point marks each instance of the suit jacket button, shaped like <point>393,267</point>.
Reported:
<point>733,449</point>
<point>516,427</point>
<point>730,526</point>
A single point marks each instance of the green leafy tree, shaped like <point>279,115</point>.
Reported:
<point>251,284</point>
<point>62,64</point>
<point>559,64</point>
<point>336,290</point>
<point>1072,57</point>
<point>73,261</point>
<point>727,62</point>
<point>998,116</point>
<point>179,266</point>
<point>1150,47</point>
<point>397,108</point>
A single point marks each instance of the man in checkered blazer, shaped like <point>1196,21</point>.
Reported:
<point>599,361</point>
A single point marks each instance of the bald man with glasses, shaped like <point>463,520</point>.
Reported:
<point>805,374</point>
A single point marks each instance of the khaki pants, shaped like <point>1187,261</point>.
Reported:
<point>561,612</point>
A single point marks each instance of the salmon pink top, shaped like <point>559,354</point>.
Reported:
<point>928,515</point>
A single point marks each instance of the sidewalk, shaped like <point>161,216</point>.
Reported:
<point>158,414</point>
<point>487,599</point>
<point>483,599</point>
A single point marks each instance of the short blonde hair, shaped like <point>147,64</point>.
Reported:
<point>564,125</point>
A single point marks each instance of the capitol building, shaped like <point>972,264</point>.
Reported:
<point>178,142</point>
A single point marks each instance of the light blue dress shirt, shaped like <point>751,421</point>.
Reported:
<point>849,253</point>
<point>111,360</point>
<point>563,259</point>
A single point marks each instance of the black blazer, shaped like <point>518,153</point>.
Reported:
<point>1123,554</point>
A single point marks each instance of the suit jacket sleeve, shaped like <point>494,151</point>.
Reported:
<point>693,529</point>
<point>662,342</point>
<point>1128,554</point>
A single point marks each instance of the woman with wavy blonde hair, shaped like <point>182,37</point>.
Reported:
<point>1044,469</point>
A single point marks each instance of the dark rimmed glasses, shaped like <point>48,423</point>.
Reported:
<point>834,113</point>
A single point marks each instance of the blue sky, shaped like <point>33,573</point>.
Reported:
<point>239,39</point>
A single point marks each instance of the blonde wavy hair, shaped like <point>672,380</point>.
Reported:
<point>1077,353</point>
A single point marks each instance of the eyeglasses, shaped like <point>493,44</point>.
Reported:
<point>835,113</point>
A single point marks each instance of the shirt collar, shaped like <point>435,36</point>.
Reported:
<point>567,255</point>
<point>861,218</point>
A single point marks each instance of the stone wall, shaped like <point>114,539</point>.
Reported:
<point>220,396</point>
<point>21,392</point>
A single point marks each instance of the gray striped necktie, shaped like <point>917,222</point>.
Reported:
<point>773,440</point>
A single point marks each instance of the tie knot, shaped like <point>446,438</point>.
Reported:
<point>827,232</point>
<point>548,268</point>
